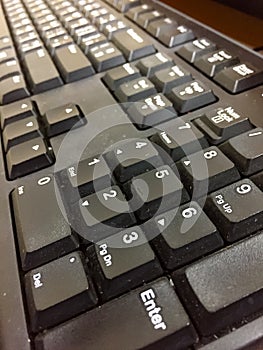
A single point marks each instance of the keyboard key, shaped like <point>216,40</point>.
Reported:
<point>246,151</point>
<point>125,5</point>
<point>134,12</point>
<point>132,158</point>
<point>166,79</point>
<point>116,76</point>
<point>151,111</point>
<point>214,62</point>
<point>214,291</point>
<point>84,32</point>
<point>155,190</point>
<point>90,41</point>
<point>28,157</point>
<point>122,262</point>
<point>150,65</point>
<point>16,111</point>
<point>157,28</point>
<point>59,42</point>
<point>135,90</point>
<point>191,96</point>
<point>239,78</point>
<point>112,28</point>
<point>43,232</point>
<point>102,213</point>
<point>206,171</point>
<point>20,131</point>
<point>145,19</point>
<point>194,50</point>
<point>238,208</point>
<point>132,44</point>
<point>62,119</point>
<point>156,323</point>
<point>45,303</point>
<point>9,69</point>
<point>105,56</point>
<point>222,123</point>
<point>173,36</point>
<point>13,89</point>
<point>41,79</point>
<point>183,235</point>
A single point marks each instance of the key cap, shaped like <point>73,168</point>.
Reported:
<point>214,62</point>
<point>43,232</point>
<point>194,50</point>
<point>93,15</point>
<point>16,111</point>
<point>122,262</point>
<point>84,32</point>
<point>102,21</point>
<point>21,131</point>
<point>28,157</point>
<point>145,19</point>
<point>116,76</point>
<point>53,33</point>
<point>150,65</point>
<point>176,35</point>
<point>238,208</point>
<point>157,28</point>
<point>178,139</point>
<point>191,96</point>
<point>9,69</point>
<point>132,158</point>
<point>241,77</point>
<point>214,288</point>
<point>49,306</point>
<point>155,190</point>
<point>62,119</point>
<point>5,42</point>
<point>151,111</point>
<point>246,151</point>
<point>30,46</point>
<point>134,12</point>
<point>84,178</point>
<point>166,79</point>
<point>132,44</point>
<point>258,180</point>
<point>7,54</point>
<point>102,213</point>
<point>206,171</point>
<point>135,90</point>
<point>112,28</point>
<point>13,89</point>
<point>156,324</point>
<point>91,41</point>
<point>59,42</point>
<point>182,235</point>
<point>223,123</point>
<point>76,24</point>
<point>105,56</point>
<point>41,79</point>
<point>125,5</point>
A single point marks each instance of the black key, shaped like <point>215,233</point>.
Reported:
<point>105,56</point>
<point>157,28</point>
<point>59,42</point>
<point>258,180</point>
<point>184,234</point>
<point>114,27</point>
<point>145,19</point>
<point>28,157</point>
<point>206,171</point>
<point>214,291</point>
<point>214,62</point>
<point>246,151</point>
<point>13,89</point>
<point>151,318</point>
<point>151,111</point>
<point>83,32</point>
<point>122,262</point>
<point>155,190</point>
<point>238,208</point>
<point>84,178</point>
<point>20,131</point>
<point>194,50</point>
<point>119,75</point>
<point>166,79</point>
<point>135,90</point>
<point>134,12</point>
<point>62,119</point>
<point>176,35</point>
<point>191,96</point>
<point>239,78</point>
<point>150,65</point>
<point>102,21</point>
<point>132,44</point>
<point>222,123</point>
<point>91,41</point>
<point>72,63</point>
<point>47,303</point>
<point>43,232</point>
<point>179,139</point>
<point>102,213</point>
<point>132,158</point>
<point>16,111</point>
<point>41,79</point>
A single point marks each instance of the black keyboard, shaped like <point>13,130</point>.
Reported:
<point>131,180</point>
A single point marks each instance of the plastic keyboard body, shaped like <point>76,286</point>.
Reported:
<point>131,180</point>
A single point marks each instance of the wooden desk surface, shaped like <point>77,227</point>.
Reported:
<point>238,25</point>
